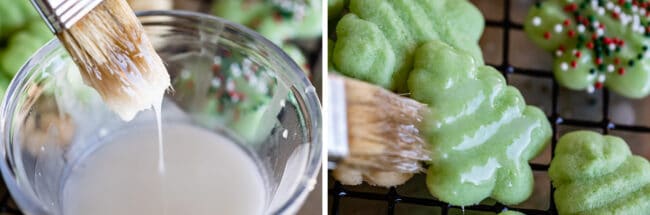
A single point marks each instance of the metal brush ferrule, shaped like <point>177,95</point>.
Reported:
<point>62,14</point>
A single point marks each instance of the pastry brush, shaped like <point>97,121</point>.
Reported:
<point>374,135</point>
<point>109,45</point>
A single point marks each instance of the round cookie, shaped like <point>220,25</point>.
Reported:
<point>595,43</point>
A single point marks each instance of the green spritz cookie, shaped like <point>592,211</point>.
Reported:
<point>377,39</point>
<point>481,131</point>
<point>596,174</point>
<point>511,212</point>
<point>595,43</point>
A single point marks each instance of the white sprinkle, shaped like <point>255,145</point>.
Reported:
<point>594,5</point>
<point>601,78</point>
<point>216,82</point>
<point>235,70</point>
<point>600,32</point>
<point>590,89</point>
<point>611,46</point>
<point>617,9</point>
<point>230,85</point>
<point>635,9</point>
<point>596,24</point>
<point>642,11</point>
<point>625,19</point>
<point>285,133</point>
<point>609,5</point>
<point>601,11</point>
<point>217,60</point>
<point>537,21</point>
<point>574,51</point>
<point>247,63</point>
<point>558,53</point>
<point>581,28</point>
<point>610,68</point>
<point>564,66</point>
<point>558,28</point>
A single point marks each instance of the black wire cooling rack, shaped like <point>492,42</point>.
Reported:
<point>394,197</point>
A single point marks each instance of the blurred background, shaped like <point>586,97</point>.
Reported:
<point>293,25</point>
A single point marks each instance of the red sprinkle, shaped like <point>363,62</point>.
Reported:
<point>598,85</point>
<point>590,45</point>
<point>561,48</point>
<point>617,61</point>
<point>601,26</point>
<point>599,61</point>
<point>621,2</point>
<point>570,7</point>
<point>574,64</point>
<point>621,71</point>
<point>566,22</point>
<point>615,15</point>
<point>547,35</point>
<point>578,54</point>
<point>572,33</point>
<point>608,40</point>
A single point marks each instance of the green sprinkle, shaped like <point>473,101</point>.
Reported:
<point>630,63</point>
<point>639,56</point>
<point>592,71</point>
<point>644,48</point>
<point>601,67</point>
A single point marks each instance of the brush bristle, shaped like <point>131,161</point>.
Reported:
<point>115,57</point>
<point>383,134</point>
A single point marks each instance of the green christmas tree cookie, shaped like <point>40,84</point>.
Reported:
<point>481,132</point>
<point>22,45</point>
<point>511,212</point>
<point>277,20</point>
<point>595,43</point>
<point>595,174</point>
<point>377,39</point>
<point>15,14</point>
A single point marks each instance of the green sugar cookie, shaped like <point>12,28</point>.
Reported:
<point>595,43</point>
<point>22,44</point>
<point>597,174</point>
<point>15,14</point>
<point>377,39</point>
<point>481,132</point>
<point>511,212</point>
<point>277,20</point>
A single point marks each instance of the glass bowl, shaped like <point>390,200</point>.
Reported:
<point>225,78</point>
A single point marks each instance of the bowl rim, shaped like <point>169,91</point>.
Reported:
<point>28,202</point>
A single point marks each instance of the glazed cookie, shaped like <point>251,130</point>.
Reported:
<point>596,174</point>
<point>377,39</point>
<point>481,131</point>
<point>595,43</point>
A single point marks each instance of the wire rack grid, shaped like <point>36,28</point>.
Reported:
<point>393,197</point>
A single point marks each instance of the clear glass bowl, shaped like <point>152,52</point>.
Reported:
<point>225,77</point>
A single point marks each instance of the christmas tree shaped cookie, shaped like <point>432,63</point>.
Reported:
<point>377,39</point>
<point>596,174</point>
<point>595,43</point>
<point>481,131</point>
